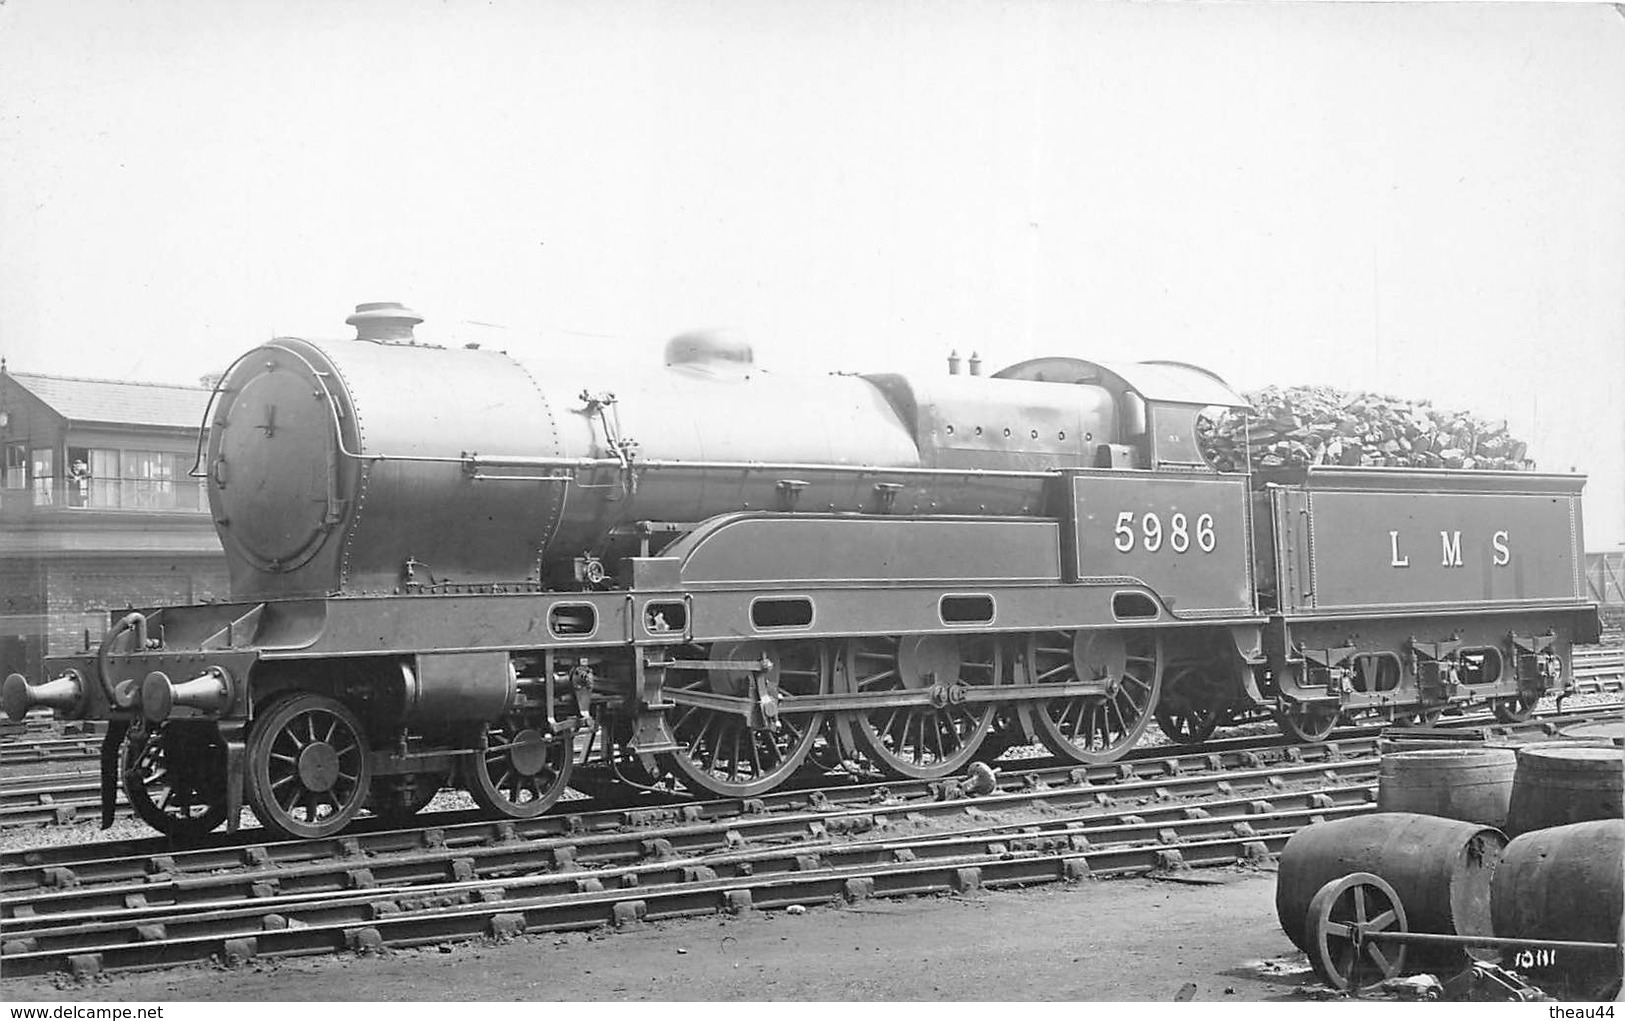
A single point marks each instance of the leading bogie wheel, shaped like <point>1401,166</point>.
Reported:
<point>519,768</point>
<point>1101,726</point>
<point>174,777</point>
<point>309,767</point>
<point>930,739</point>
<point>728,754</point>
<point>1341,920</point>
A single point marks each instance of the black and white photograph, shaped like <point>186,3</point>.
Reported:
<point>790,501</point>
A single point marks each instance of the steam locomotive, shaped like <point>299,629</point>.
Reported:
<point>447,566</point>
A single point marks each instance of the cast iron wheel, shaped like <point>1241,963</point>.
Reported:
<point>308,767</point>
<point>923,742</point>
<point>723,753</point>
<point>1515,709</point>
<point>1189,711</point>
<point>1306,723</point>
<point>519,771</point>
<point>1341,918</point>
<point>175,778</point>
<point>388,799</point>
<point>1097,727</point>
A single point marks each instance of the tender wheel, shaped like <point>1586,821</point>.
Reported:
<point>1097,727</point>
<point>923,742</point>
<point>1515,709</point>
<point>1341,918</point>
<point>519,771</point>
<point>1307,723</point>
<point>1190,708</point>
<point>730,755</point>
<point>308,767</point>
<point>396,799</point>
<point>175,778</point>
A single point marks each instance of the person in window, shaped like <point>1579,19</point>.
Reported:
<point>78,484</point>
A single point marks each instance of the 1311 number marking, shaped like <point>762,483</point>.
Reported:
<point>1151,535</point>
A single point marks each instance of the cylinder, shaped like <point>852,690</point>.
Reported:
<point>1562,882</point>
<point>1469,784</point>
<point>1440,868</point>
<point>1558,784</point>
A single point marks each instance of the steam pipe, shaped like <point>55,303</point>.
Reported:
<point>124,696</point>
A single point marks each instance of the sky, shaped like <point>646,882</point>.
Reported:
<point>1421,199</point>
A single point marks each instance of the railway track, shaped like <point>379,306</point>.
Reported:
<point>67,909</point>
<point>73,795</point>
<point>1598,669</point>
<point>63,751</point>
<point>584,882</point>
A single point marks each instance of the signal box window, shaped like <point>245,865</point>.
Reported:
<point>43,469</point>
<point>131,480</point>
<point>16,469</point>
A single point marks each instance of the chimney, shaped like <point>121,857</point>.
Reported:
<point>384,322</point>
<point>975,364</point>
<point>953,362</point>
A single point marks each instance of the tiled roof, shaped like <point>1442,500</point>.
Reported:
<point>113,401</point>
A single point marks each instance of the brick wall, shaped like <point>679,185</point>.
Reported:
<point>22,609</point>
<point>51,603</point>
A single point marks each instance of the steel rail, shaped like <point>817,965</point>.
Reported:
<point>879,839</point>
<point>104,862</point>
<point>731,882</point>
<point>50,750</point>
<point>109,860</point>
<point>256,876</point>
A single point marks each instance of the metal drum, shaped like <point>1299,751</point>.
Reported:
<point>1557,784</point>
<point>1440,868</point>
<point>1470,784</point>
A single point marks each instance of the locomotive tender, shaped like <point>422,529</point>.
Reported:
<point>446,566</point>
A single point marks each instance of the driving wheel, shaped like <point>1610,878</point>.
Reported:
<point>733,754</point>
<point>923,740</point>
<point>1126,669</point>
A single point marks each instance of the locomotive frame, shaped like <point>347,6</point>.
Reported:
<point>905,619</point>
